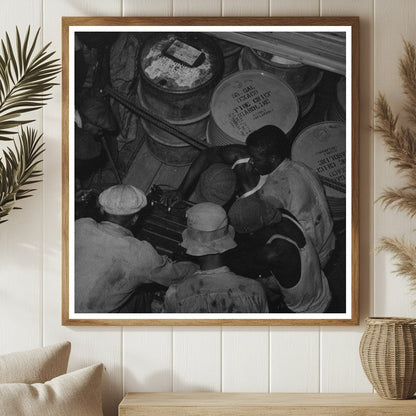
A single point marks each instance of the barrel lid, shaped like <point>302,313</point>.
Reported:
<point>302,78</point>
<point>169,74</point>
<point>321,146</point>
<point>248,100</point>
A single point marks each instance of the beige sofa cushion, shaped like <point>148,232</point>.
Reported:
<point>73,394</point>
<point>35,366</point>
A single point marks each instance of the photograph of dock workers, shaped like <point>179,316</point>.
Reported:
<point>209,172</point>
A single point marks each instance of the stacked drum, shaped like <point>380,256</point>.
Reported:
<point>246,101</point>
<point>178,74</point>
<point>231,54</point>
<point>336,111</point>
<point>219,92</point>
<point>322,146</point>
<point>302,78</point>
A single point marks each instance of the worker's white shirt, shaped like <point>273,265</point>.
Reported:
<point>296,188</point>
<point>110,264</point>
<point>311,294</point>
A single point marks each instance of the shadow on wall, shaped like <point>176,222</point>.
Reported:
<point>160,381</point>
<point>112,393</point>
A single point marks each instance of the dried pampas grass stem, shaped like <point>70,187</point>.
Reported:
<point>401,143</point>
<point>405,254</point>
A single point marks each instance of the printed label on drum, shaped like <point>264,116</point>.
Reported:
<point>322,147</point>
<point>251,102</point>
<point>332,164</point>
<point>246,103</point>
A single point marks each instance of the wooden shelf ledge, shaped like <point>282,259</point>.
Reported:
<point>262,404</point>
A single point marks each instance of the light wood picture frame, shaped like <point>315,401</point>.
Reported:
<point>326,47</point>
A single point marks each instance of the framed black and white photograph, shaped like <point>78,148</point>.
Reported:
<point>210,171</point>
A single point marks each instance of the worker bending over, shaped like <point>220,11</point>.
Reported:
<point>264,167</point>
<point>112,267</point>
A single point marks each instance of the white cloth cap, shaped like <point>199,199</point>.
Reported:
<point>122,200</point>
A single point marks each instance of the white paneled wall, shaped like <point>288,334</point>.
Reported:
<point>205,8</point>
<point>282,359</point>
<point>148,359</point>
<point>294,8</point>
<point>245,363</point>
<point>196,359</point>
<point>245,8</point>
<point>294,351</point>
<point>147,7</point>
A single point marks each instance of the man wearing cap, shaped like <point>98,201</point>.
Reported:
<point>214,288</point>
<point>216,184</point>
<point>111,265</point>
<point>280,244</point>
<point>264,167</point>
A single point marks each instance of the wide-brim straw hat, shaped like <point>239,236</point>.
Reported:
<point>202,243</point>
<point>207,230</point>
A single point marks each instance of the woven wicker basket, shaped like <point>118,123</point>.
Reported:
<point>388,356</point>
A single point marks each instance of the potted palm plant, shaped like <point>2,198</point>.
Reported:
<point>26,78</point>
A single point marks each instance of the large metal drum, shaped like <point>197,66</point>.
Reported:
<point>178,73</point>
<point>321,146</point>
<point>231,53</point>
<point>336,111</point>
<point>302,78</point>
<point>246,101</point>
<point>168,148</point>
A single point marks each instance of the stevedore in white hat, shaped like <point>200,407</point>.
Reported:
<point>111,265</point>
<point>214,288</point>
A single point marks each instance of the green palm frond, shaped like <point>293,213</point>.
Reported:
<point>19,170</point>
<point>25,80</point>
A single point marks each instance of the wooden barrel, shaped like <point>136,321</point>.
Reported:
<point>321,146</point>
<point>336,111</point>
<point>246,101</point>
<point>302,78</point>
<point>178,73</point>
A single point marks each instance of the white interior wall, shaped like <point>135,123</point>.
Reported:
<point>261,359</point>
